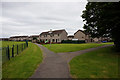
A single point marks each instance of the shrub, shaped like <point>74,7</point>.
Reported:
<point>71,41</point>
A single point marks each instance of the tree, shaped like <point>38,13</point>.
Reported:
<point>102,19</point>
<point>34,38</point>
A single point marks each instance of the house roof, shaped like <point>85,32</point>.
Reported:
<point>53,32</point>
<point>18,36</point>
<point>34,36</point>
<point>81,31</point>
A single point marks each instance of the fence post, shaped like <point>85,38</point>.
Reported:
<point>8,53</point>
<point>13,51</point>
<point>17,49</point>
<point>27,42</point>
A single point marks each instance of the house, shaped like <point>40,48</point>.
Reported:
<point>4,39</point>
<point>97,39</point>
<point>81,35</point>
<point>18,38</point>
<point>101,39</point>
<point>108,39</point>
<point>33,37</point>
<point>70,37</point>
<point>55,36</point>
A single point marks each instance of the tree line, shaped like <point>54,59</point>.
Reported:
<point>102,19</point>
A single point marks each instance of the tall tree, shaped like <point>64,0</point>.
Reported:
<point>103,19</point>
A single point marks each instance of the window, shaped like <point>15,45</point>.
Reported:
<point>53,40</point>
<point>45,35</point>
<point>56,40</point>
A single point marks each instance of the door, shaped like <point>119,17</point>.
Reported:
<point>56,40</point>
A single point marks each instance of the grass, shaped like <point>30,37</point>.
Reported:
<point>10,43</point>
<point>58,48</point>
<point>102,63</point>
<point>23,65</point>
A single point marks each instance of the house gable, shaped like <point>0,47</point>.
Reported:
<point>80,35</point>
<point>57,35</point>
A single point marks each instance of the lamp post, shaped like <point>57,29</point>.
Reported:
<point>50,32</point>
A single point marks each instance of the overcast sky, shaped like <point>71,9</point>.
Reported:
<point>23,18</point>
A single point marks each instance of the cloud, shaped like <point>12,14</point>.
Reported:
<point>23,18</point>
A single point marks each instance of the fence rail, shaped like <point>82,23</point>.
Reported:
<point>10,52</point>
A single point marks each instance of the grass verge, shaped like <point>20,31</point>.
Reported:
<point>23,65</point>
<point>58,48</point>
<point>102,63</point>
<point>10,43</point>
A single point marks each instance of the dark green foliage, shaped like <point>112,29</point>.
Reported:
<point>34,38</point>
<point>71,41</point>
<point>102,20</point>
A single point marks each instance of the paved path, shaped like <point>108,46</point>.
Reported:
<point>56,65</point>
<point>53,66</point>
<point>69,55</point>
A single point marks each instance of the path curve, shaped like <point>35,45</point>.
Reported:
<point>69,55</point>
<point>53,66</point>
<point>56,65</point>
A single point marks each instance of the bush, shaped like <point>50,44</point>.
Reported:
<point>71,41</point>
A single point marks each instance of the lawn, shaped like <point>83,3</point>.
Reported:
<point>58,48</point>
<point>102,63</point>
<point>10,43</point>
<point>23,65</point>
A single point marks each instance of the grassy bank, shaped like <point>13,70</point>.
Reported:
<point>58,48</point>
<point>102,63</point>
<point>10,43</point>
<point>23,65</point>
<point>21,46</point>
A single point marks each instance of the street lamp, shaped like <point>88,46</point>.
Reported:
<point>50,32</point>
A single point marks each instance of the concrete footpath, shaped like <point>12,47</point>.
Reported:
<point>69,55</point>
<point>53,66</point>
<point>56,65</point>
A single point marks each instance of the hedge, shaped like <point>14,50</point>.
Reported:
<point>71,41</point>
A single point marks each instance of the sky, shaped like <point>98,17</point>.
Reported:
<point>32,18</point>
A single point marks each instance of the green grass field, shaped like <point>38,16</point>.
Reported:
<point>102,63</point>
<point>58,48</point>
<point>23,65</point>
<point>10,43</point>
